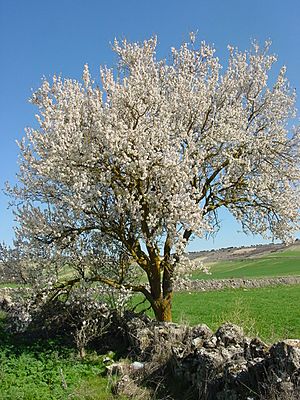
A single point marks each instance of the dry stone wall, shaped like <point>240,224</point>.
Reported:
<point>236,283</point>
<point>221,365</point>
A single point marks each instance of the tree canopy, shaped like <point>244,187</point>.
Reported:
<point>132,168</point>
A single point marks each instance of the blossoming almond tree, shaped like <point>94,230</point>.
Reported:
<point>146,161</point>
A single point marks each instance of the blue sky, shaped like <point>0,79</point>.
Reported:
<point>59,36</point>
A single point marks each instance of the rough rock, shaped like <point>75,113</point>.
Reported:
<point>286,355</point>
<point>255,349</point>
<point>284,364</point>
<point>201,331</point>
<point>148,338</point>
<point>225,365</point>
<point>5,298</point>
<point>127,386</point>
<point>230,334</point>
<point>234,367</point>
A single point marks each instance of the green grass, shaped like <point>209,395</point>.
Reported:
<point>49,375</point>
<point>272,313</point>
<point>283,263</point>
<point>47,370</point>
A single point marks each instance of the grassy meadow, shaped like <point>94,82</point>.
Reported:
<point>272,313</point>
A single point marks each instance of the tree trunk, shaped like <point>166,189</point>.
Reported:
<point>163,306</point>
<point>163,309</point>
<point>161,289</point>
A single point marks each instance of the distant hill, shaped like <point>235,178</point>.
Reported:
<point>236,253</point>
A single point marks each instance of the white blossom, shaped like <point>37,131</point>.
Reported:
<point>149,159</point>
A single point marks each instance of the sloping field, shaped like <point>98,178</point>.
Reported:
<point>281,263</point>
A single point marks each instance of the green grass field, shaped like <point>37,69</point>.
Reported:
<point>282,263</point>
<point>272,313</point>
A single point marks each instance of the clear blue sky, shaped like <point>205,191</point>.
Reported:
<point>58,36</point>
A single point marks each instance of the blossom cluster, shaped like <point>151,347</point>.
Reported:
<point>87,308</point>
<point>184,272</point>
